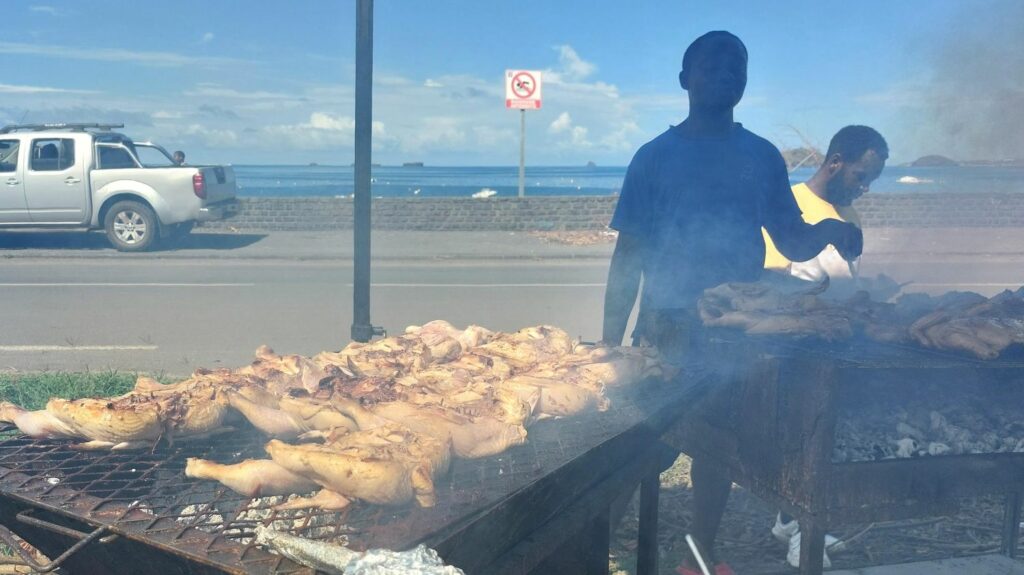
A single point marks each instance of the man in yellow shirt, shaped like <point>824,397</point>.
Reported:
<point>855,158</point>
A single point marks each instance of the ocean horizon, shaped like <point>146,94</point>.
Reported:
<point>503,181</point>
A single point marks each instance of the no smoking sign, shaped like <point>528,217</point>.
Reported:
<point>522,89</point>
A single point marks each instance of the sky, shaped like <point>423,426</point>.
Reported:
<point>258,82</point>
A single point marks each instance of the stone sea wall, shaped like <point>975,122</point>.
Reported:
<point>590,212</point>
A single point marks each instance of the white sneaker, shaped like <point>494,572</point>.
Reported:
<point>785,531</point>
<point>793,558</point>
<point>832,544</point>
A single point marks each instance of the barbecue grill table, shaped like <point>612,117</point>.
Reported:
<point>502,514</point>
<point>778,434</point>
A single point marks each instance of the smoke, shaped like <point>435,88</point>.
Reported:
<point>975,99</point>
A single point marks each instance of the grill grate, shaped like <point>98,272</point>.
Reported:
<point>146,496</point>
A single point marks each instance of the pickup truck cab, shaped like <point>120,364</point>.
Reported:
<point>88,176</point>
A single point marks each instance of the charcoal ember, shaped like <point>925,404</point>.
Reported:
<point>931,424</point>
<point>906,447</point>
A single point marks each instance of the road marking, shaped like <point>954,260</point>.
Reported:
<point>78,348</point>
<point>390,285</point>
<point>104,284</point>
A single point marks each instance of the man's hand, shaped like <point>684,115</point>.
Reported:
<point>846,237</point>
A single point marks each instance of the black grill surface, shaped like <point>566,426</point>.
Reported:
<point>145,496</point>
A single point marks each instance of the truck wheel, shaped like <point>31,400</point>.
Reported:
<point>131,226</point>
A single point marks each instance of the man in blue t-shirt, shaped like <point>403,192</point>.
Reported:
<point>689,217</point>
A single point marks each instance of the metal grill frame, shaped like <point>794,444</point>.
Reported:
<point>485,507</point>
<point>779,442</point>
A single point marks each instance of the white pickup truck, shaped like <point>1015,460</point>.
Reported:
<point>88,176</point>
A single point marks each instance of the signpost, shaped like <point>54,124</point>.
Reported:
<point>522,92</point>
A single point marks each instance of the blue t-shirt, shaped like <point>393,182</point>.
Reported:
<point>698,204</point>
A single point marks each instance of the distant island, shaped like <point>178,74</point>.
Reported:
<point>934,161</point>
<point>412,165</point>
<point>591,165</point>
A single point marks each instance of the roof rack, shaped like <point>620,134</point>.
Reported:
<point>75,127</point>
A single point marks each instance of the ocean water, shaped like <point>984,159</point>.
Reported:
<point>431,181</point>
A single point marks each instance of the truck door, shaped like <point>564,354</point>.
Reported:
<point>13,209</point>
<point>56,187</point>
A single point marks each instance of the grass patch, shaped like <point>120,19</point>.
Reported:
<point>32,390</point>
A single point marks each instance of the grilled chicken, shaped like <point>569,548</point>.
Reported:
<point>252,477</point>
<point>388,465</point>
<point>555,397</point>
<point>40,424</point>
<point>390,412</point>
<point>983,329</point>
<point>436,331</point>
<point>386,357</point>
<point>281,373</point>
<point>477,431</point>
<point>120,424</point>
<point>528,347</point>
<point>766,308</point>
<point>291,416</point>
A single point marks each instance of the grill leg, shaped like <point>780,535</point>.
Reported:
<point>812,546</point>
<point>1011,523</point>
<point>647,540</point>
<point>597,552</point>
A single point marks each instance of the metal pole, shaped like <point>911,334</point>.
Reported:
<point>522,152</point>
<point>362,330</point>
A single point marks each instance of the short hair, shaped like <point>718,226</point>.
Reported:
<point>695,46</point>
<point>852,142</point>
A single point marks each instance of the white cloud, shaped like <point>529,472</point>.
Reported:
<point>15,89</point>
<point>321,121</point>
<point>166,115</point>
<point>436,131</point>
<point>156,59</point>
<point>213,137</point>
<point>572,66</point>
<point>562,123</point>
<point>214,91</point>
<point>444,118</point>
<point>577,135</point>
<point>207,38</point>
<point>48,10</point>
<point>322,131</point>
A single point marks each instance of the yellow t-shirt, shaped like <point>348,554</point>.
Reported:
<point>814,210</point>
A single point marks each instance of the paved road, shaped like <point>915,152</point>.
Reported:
<point>69,302</point>
<point>174,316</point>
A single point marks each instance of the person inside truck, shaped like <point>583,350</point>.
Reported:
<point>46,157</point>
<point>178,157</point>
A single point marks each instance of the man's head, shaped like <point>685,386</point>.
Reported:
<point>855,158</point>
<point>714,71</point>
<point>178,157</point>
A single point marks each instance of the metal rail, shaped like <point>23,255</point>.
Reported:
<point>77,127</point>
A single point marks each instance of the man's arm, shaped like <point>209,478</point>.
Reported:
<point>795,238</point>
<point>623,284</point>
<point>800,241</point>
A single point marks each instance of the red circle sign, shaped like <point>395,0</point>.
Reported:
<point>523,85</point>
